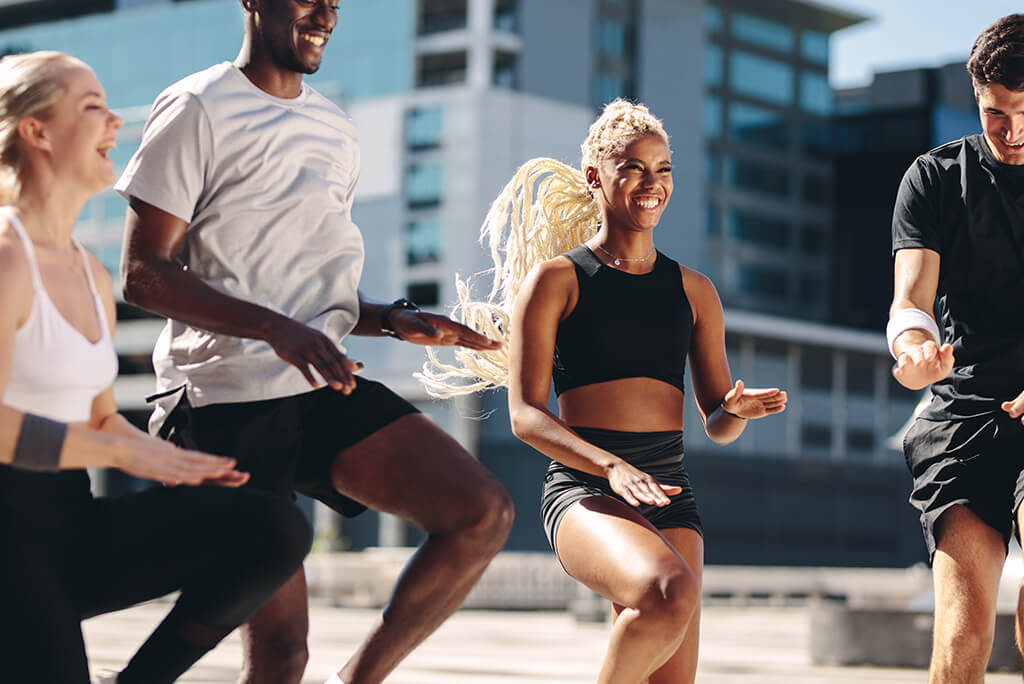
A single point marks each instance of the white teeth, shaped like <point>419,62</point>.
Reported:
<point>315,40</point>
<point>647,204</point>
<point>104,148</point>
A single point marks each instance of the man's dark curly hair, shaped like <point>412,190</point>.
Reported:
<point>998,54</point>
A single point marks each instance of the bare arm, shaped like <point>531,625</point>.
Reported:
<point>717,397</point>
<point>920,359</point>
<point>152,278</point>
<point>418,327</point>
<point>107,440</point>
<point>543,301</point>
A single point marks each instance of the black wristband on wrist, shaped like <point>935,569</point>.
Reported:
<point>730,413</point>
<point>385,315</point>
<point>39,444</point>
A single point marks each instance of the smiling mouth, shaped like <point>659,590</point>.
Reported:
<point>315,39</point>
<point>104,149</point>
<point>647,202</point>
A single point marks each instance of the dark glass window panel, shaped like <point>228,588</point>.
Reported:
<point>424,294</point>
<point>758,229</point>
<point>443,68</point>
<point>816,368</point>
<point>441,15</point>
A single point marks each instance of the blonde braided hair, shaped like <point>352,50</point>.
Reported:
<point>545,210</point>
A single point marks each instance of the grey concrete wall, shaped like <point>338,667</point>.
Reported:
<point>557,58</point>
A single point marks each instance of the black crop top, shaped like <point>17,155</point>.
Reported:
<point>624,325</point>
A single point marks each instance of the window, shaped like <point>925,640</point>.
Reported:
<point>816,368</point>
<point>758,230</point>
<point>860,374</point>
<point>441,68</point>
<point>762,281</point>
<point>711,219</point>
<point>814,189</point>
<point>746,174</point>
<point>812,240</point>
<point>816,137</point>
<point>424,127</point>
<point>505,15</point>
<point>713,19</point>
<point>713,168</point>
<point>423,185</point>
<point>763,32</point>
<point>712,117</point>
<point>815,93</point>
<point>505,70</point>
<point>765,79</point>
<point>441,15</point>
<point>607,87</point>
<point>758,125</point>
<point>812,292</point>
<point>814,46</point>
<point>423,242</point>
<point>612,38</point>
<point>712,64</point>
<point>860,439</point>
<point>424,294</point>
<point>816,436</point>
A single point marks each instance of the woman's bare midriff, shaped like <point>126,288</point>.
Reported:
<point>630,405</point>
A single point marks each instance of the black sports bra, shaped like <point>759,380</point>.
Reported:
<point>624,325</point>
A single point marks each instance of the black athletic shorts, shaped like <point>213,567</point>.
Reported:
<point>977,462</point>
<point>289,444</point>
<point>657,453</point>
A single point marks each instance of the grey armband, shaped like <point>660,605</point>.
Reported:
<point>39,444</point>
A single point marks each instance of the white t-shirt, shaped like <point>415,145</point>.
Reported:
<point>266,185</point>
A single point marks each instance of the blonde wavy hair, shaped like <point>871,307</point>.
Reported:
<point>30,85</point>
<point>544,211</point>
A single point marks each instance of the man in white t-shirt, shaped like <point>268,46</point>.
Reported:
<point>240,232</point>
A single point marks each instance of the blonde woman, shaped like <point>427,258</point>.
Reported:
<point>611,321</point>
<point>68,556</point>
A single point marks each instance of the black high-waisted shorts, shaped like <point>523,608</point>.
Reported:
<point>657,453</point>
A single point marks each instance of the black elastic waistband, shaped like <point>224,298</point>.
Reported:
<point>637,447</point>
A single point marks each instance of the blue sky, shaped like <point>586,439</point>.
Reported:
<point>908,33</point>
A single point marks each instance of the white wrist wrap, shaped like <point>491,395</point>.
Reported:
<point>910,319</point>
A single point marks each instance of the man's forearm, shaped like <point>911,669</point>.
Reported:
<point>165,288</point>
<point>369,322</point>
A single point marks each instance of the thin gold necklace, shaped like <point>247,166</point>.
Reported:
<point>617,261</point>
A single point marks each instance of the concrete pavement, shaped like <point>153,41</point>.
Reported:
<point>739,645</point>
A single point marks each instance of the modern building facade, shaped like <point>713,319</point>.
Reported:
<point>879,130</point>
<point>452,95</point>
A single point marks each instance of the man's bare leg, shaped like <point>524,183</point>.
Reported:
<point>413,469</point>
<point>966,570</point>
<point>274,638</point>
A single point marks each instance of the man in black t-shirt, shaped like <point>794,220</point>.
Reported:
<point>958,239</point>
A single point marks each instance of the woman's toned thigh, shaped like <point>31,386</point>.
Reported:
<point>605,544</point>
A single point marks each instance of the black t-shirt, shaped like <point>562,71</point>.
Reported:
<point>959,201</point>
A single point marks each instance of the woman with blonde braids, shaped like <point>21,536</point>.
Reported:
<point>612,321</point>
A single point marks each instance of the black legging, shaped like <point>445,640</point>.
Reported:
<point>67,556</point>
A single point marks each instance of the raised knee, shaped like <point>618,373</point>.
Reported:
<point>670,599</point>
<point>490,517</point>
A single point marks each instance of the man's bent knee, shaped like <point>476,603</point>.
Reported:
<point>486,517</point>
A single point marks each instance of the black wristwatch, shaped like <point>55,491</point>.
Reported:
<point>385,315</point>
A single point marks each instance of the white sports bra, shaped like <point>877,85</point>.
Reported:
<point>56,372</point>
